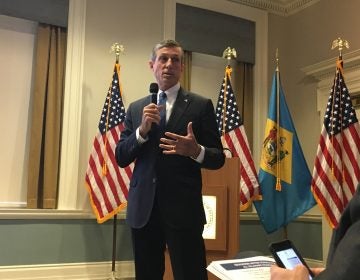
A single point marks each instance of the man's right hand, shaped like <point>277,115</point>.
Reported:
<point>151,114</point>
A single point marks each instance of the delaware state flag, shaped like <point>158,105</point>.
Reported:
<point>284,176</point>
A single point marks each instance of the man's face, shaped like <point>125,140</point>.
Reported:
<point>167,67</point>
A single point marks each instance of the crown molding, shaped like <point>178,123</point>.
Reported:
<point>326,68</point>
<point>278,7</point>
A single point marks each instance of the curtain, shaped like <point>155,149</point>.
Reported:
<point>185,79</point>
<point>242,78</point>
<point>242,81</point>
<point>46,117</point>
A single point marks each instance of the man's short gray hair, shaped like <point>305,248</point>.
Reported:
<point>166,44</point>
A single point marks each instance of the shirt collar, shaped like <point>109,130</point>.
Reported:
<point>171,93</point>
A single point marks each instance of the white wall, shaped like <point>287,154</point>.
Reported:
<point>207,74</point>
<point>304,39</point>
<point>138,26</point>
<point>16,60</point>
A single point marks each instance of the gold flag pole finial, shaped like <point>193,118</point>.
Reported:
<point>118,49</point>
<point>229,53</point>
<point>277,59</point>
<point>340,44</point>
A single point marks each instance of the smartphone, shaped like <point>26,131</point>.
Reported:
<point>287,256</point>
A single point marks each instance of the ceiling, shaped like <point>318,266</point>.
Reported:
<point>279,7</point>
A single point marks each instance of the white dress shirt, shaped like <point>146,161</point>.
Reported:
<point>171,95</point>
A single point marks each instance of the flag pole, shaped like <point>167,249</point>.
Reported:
<point>118,49</point>
<point>113,270</point>
<point>229,53</point>
<point>340,44</point>
<point>278,167</point>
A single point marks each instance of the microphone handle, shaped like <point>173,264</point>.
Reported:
<point>154,98</point>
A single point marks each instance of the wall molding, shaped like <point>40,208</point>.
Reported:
<point>81,271</point>
<point>73,95</point>
<point>314,263</point>
<point>326,69</point>
<point>282,8</point>
<point>47,214</point>
<point>70,271</point>
<point>307,217</point>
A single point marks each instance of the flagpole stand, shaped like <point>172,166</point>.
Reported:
<point>113,276</point>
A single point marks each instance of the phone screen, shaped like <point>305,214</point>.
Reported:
<point>289,258</point>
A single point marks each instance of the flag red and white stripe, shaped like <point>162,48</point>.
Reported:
<point>336,171</point>
<point>107,183</point>
<point>234,139</point>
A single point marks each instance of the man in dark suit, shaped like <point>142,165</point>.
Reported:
<point>344,254</point>
<point>165,202</point>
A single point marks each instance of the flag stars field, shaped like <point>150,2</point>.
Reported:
<point>106,182</point>
<point>234,139</point>
<point>337,165</point>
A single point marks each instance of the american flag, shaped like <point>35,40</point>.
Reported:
<point>336,172</point>
<point>234,138</point>
<point>108,184</point>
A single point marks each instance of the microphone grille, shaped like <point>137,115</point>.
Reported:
<point>154,88</point>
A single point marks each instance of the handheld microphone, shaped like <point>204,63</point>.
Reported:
<point>154,88</point>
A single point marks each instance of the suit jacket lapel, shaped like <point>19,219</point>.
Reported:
<point>180,106</point>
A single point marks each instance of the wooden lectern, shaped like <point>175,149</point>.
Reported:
<point>222,206</point>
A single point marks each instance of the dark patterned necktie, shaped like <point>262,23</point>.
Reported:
<point>162,102</point>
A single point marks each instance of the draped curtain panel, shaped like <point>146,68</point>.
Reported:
<point>185,79</point>
<point>242,82</point>
<point>47,108</point>
<point>243,79</point>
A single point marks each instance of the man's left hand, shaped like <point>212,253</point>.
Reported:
<point>176,144</point>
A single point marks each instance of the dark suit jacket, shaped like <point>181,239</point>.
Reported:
<point>344,254</point>
<point>176,180</point>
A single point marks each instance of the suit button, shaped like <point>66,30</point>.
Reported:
<point>154,180</point>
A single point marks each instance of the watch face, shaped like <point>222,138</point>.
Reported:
<point>209,203</point>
